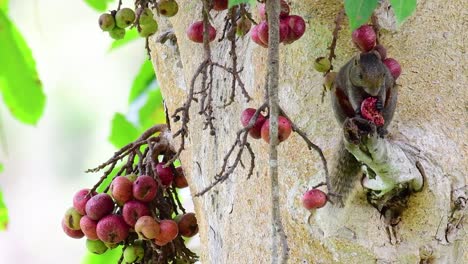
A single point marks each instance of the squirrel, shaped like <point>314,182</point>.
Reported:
<point>363,76</point>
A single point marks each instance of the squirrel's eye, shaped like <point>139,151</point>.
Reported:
<point>360,76</point>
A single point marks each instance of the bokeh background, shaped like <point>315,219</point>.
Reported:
<point>85,85</point>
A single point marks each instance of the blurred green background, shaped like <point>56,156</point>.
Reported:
<point>94,95</point>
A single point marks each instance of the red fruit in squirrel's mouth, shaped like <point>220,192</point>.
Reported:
<point>364,37</point>
<point>255,131</point>
<point>393,66</point>
<point>369,111</point>
<point>195,32</point>
<point>314,199</point>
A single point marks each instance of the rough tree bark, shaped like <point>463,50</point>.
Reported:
<point>235,216</point>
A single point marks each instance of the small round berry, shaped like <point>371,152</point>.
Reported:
<point>96,246</point>
<point>133,210</point>
<point>72,219</point>
<point>364,37</point>
<point>88,226</point>
<point>246,116</point>
<point>195,32</point>
<point>180,181</point>
<point>314,199</point>
<point>220,5</point>
<point>187,224</point>
<point>148,29</point>
<point>121,189</point>
<point>112,229</point>
<point>322,64</point>
<point>168,8</point>
<point>99,206</point>
<point>284,129</point>
<point>134,253</point>
<point>255,38</point>
<point>297,27</point>
<point>393,66</point>
<point>168,230</point>
<point>77,234</point>
<point>117,33</point>
<point>80,199</point>
<point>165,174</point>
<point>106,22</point>
<point>145,188</point>
<point>124,17</point>
<point>147,228</point>
<point>146,15</point>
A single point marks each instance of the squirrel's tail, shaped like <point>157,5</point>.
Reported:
<point>345,169</point>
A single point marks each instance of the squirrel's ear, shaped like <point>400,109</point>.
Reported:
<point>376,54</point>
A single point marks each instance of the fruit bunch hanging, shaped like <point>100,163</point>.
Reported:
<point>140,209</point>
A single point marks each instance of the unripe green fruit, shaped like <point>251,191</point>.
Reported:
<point>106,22</point>
<point>117,33</point>
<point>124,17</point>
<point>111,245</point>
<point>134,253</point>
<point>146,15</point>
<point>96,246</point>
<point>322,64</point>
<point>168,8</point>
<point>72,219</point>
<point>132,177</point>
<point>148,29</point>
<point>329,80</point>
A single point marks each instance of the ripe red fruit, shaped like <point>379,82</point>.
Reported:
<point>246,115</point>
<point>147,228</point>
<point>364,37</point>
<point>284,129</point>
<point>88,227</point>
<point>369,111</point>
<point>132,210</point>
<point>169,231</point>
<point>99,206</point>
<point>220,5</point>
<point>187,224</point>
<point>180,181</point>
<point>165,174</point>
<point>145,188</point>
<point>121,189</point>
<point>263,32</point>
<point>71,233</point>
<point>393,66</point>
<point>81,198</point>
<point>112,229</point>
<point>255,37</point>
<point>382,51</point>
<point>313,199</point>
<point>296,28</point>
<point>195,32</point>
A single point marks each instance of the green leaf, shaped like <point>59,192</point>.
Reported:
<point>4,6</point>
<point>1,168</point>
<point>3,213</point>
<point>111,256</point>
<point>359,11</point>
<point>403,9</point>
<point>142,81</point>
<point>130,35</point>
<point>153,111</point>
<point>19,81</point>
<point>99,5</point>
<point>122,131</point>
<point>237,2</point>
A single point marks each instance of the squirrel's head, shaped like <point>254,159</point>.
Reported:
<point>368,72</point>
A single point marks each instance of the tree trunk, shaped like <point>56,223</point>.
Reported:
<point>235,216</point>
